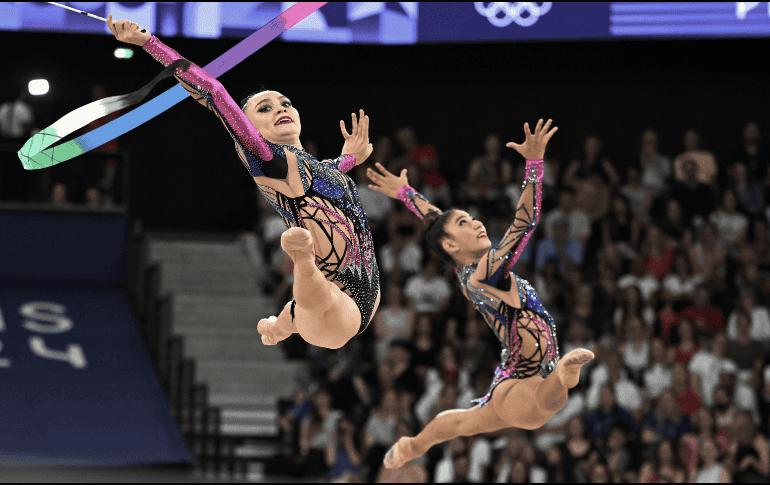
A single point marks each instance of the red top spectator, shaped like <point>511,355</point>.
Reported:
<point>658,257</point>
<point>708,319</point>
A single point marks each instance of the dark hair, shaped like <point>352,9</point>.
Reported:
<point>245,101</point>
<point>434,224</point>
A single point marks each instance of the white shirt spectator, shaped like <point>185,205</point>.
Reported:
<point>657,380</point>
<point>648,315</point>
<point>445,469</point>
<point>636,360</point>
<point>760,325</point>
<point>708,367</point>
<point>537,474</point>
<point>480,455</point>
<point>647,284</point>
<point>712,474</point>
<point>674,285</point>
<point>382,431</point>
<point>328,426</point>
<point>433,387</point>
<point>729,225</point>
<point>14,116</point>
<point>628,396</point>
<point>427,296</point>
<point>578,221</point>
<point>409,258</point>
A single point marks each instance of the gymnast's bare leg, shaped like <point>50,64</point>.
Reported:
<point>515,403</point>
<point>324,316</point>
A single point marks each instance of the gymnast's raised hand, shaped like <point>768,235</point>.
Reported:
<point>128,32</point>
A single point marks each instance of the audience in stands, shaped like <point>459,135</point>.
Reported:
<point>665,277</point>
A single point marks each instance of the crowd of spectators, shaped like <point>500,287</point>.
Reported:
<point>659,265</point>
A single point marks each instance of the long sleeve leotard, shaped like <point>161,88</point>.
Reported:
<point>527,334</point>
<point>329,200</point>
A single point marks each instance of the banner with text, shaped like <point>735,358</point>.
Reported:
<point>409,22</point>
<point>77,385</point>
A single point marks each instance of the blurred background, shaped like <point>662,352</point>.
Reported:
<point>653,249</point>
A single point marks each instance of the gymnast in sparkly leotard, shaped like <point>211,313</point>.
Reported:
<point>336,280</point>
<point>530,384</point>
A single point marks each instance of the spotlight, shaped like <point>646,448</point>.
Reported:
<point>124,53</point>
<point>38,86</point>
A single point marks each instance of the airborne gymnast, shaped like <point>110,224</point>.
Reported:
<point>530,384</point>
<point>336,280</point>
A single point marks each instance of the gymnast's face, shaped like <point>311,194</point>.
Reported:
<point>468,236</point>
<point>275,117</point>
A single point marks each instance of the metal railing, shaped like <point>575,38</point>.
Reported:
<point>199,422</point>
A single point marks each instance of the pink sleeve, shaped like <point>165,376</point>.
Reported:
<point>209,87</point>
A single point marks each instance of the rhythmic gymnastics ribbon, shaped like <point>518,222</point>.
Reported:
<point>36,154</point>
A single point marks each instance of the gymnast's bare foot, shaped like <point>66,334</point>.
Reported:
<point>401,453</point>
<point>270,331</point>
<point>298,244</point>
<point>568,368</point>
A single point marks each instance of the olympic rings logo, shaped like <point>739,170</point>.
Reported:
<point>512,12</point>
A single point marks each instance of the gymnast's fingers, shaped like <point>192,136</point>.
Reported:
<point>110,25</point>
<point>361,124</point>
<point>550,134</point>
<point>375,187</point>
<point>354,129</point>
<point>382,168</point>
<point>344,130</point>
<point>374,176</point>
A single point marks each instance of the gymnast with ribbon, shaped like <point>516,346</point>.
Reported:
<point>530,384</point>
<point>336,280</point>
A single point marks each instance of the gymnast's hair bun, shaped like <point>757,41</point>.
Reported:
<point>430,218</point>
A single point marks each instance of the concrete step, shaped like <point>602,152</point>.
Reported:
<point>257,430</point>
<point>239,400</point>
<point>206,347</point>
<point>223,309</point>
<point>194,251</point>
<point>257,450</point>
<point>257,423</point>
<point>211,281</point>
<point>275,379</point>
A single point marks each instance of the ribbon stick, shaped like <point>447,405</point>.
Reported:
<point>84,13</point>
<point>36,154</point>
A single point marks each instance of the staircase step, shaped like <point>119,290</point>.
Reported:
<point>217,302</point>
<point>209,282</point>
<point>257,451</point>
<point>160,250</point>
<point>208,348</point>
<point>249,429</point>
<point>275,379</point>
<point>236,400</point>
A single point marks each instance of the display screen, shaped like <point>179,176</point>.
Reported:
<point>409,22</point>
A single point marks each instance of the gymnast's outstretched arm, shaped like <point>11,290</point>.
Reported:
<point>500,259</point>
<point>399,188</point>
<point>252,148</point>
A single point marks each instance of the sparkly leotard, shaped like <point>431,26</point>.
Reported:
<point>330,198</point>
<point>511,325</point>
